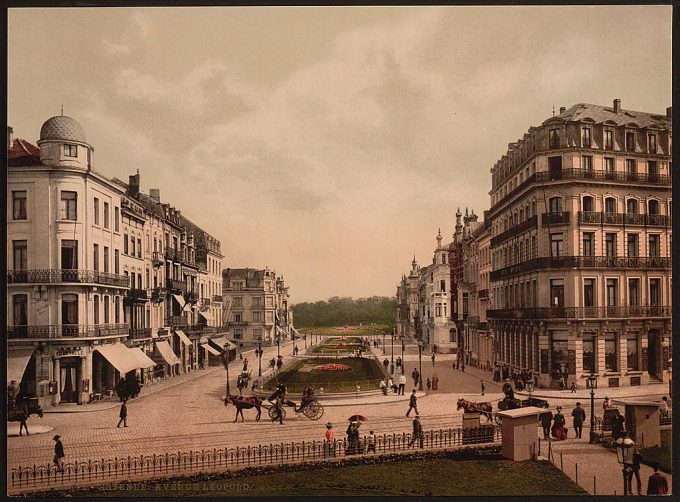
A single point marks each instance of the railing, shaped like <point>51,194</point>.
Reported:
<point>205,302</point>
<point>156,259</point>
<point>191,296</point>
<point>177,285</point>
<point>483,294</point>
<point>546,262</point>
<point>52,275</point>
<point>66,330</point>
<point>140,332</point>
<point>138,295</point>
<point>178,320</point>
<point>217,298</point>
<point>587,174</point>
<point>666,418</point>
<point>555,218</point>
<point>201,329</point>
<point>658,220</point>
<point>527,224</point>
<point>652,220</point>
<point>158,294</point>
<point>660,311</point>
<point>633,219</point>
<point>216,459</point>
<point>171,253</point>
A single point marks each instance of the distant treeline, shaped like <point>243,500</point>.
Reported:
<point>338,311</point>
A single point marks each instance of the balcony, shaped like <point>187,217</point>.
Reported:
<point>191,296</point>
<point>527,224</point>
<point>178,321</point>
<point>66,331</point>
<point>205,302</point>
<point>555,218</point>
<point>158,295</point>
<point>56,275</point>
<point>623,312</point>
<point>590,217</point>
<point>658,220</point>
<point>171,253</point>
<point>633,219</point>
<point>177,285</point>
<point>201,329</point>
<point>217,298</point>
<point>483,294</point>
<point>137,333</point>
<point>156,259</point>
<point>587,174</point>
<point>137,296</point>
<point>547,263</point>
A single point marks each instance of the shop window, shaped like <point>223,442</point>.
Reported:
<point>610,353</point>
<point>632,352</point>
<point>588,353</point>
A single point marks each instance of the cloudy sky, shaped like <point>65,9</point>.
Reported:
<point>327,143</point>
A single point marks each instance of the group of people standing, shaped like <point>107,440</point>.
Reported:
<point>555,425</point>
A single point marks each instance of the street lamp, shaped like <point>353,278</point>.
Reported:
<point>305,341</point>
<point>591,383</point>
<point>258,353</point>
<point>530,389</point>
<point>402,355</point>
<point>420,364</point>
<point>384,343</point>
<point>278,345</point>
<point>624,454</point>
<point>225,361</point>
<point>293,339</point>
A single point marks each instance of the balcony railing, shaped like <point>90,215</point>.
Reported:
<point>555,218</point>
<point>140,333</point>
<point>622,312</point>
<point>55,275</point>
<point>658,220</point>
<point>483,294</point>
<point>191,296</point>
<point>178,320</point>
<point>137,295</point>
<point>200,329</point>
<point>587,174</point>
<point>527,224</point>
<point>171,253</point>
<point>633,219</point>
<point>66,330</point>
<point>217,298</point>
<point>177,285</point>
<point>652,220</point>
<point>205,302</point>
<point>156,259</point>
<point>546,262</point>
<point>158,294</point>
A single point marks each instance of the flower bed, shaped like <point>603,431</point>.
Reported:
<point>331,367</point>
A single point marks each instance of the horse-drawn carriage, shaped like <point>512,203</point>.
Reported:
<point>309,405</point>
<point>486,408</point>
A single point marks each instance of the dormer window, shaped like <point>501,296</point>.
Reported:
<point>70,150</point>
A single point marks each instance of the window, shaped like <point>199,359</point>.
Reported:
<point>610,205</point>
<point>651,140</point>
<point>132,280</point>
<point>238,301</point>
<point>632,242</point>
<point>106,215</point>
<point>556,245</point>
<point>19,205</point>
<point>238,333</point>
<point>269,317</point>
<point>132,246</point>
<point>95,306</point>
<point>612,292</point>
<point>107,306</point>
<point>20,306</point>
<point>609,167</point>
<point>610,245</point>
<point>148,277</point>
<point>654,245</point>
<point>95,261</point>
<point>116,214</point>
<point>20,251</point>
<point>609,139</point>
<point>633,292</point>
<point>588,292</point>
<point>653,206</point>
<point>69,254</point>
<point>139,281</point>
<point>630,141</point>
<point>106,259</point>
<point>588,203</point>
<point>257,316</point>
<point>588,353</point>
<point>655,292</point>
<point>125,244</point>
<point>442,286</point>
<point>69,309</point>
<point>116,309</point>
<point>68,206</point>
<point>116,261</point>
<point>96,211</point>
<point>139,248</point>
<point>554,138</point>
<point>585,137</point>
<point>632,206</point>
<point>588,243</point>
<point>557,292</point>
<point>610,356</point>
<point>465,303</point>
<point>70,150</point>
<point>555,204</point>
<point>587,163</point>
<point>270,301</point>
<point>632,352</point>
<point>631,167</point>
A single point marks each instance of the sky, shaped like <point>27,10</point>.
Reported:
<point>329,144</point>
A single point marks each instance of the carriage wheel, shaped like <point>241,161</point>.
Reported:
<point>498,419</point>
<point>313,411</point>
<point>272,412</point>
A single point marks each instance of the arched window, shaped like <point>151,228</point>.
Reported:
<point>555,204</point>
<point>632,206</point>
<point>588,203</point>
<point>653,206</point>
<point>609,205</point>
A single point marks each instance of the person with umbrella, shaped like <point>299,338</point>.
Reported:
<point>352,438</point>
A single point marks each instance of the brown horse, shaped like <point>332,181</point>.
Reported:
<point>21,412</point>
<point>242,402</point>
<point>485,409</point>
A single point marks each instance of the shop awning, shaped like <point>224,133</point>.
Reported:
<point>210,349</point>
<point>207,315</point>
<point>164,349</point>
<point>121,357</point>
<point>179,299</point>
<point>17,360</point>
<point>188,307</point>
<point>183,337</point>
<point>280,330</point>
<point>144,360</point>
<point>220,342</point>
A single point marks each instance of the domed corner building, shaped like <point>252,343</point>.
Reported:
<point>65,286</point>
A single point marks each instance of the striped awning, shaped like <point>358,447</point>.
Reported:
<point>123,358</point>
<point>184,338</point>
<point>179,299</point>
<point>206,315</point>
<point>210,349</point>
<point>163,348</point>
<point>17,360</point>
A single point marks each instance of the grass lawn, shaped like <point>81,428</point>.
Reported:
<point>365,372</point>
<point>401,478</point>
<point>662,454</point>
<point>335,345</point>
<point>362,331</point>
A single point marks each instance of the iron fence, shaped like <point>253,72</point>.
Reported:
<point>150,466</point>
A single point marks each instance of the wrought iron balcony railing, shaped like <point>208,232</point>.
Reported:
<point>191,296</point>
<point>156,259</point>
<point>205,302</point>
<point>618,312</point>
<point>527,224</point>
<point>158,294</point>
<point>177,320</point>
<point>140,333</point>
<point>555,218</point>
<point>66,330</point>
<point>217,298</point>
<point>56,275</point>
<point>177,285</point>
<point>483,294</point>
<point>137,295</point>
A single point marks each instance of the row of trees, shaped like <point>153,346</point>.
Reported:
<point>339,311</point>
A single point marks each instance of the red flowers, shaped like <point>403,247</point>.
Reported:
<point>331,367</point>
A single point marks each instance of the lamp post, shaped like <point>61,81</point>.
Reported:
<point>530,389</point>
<point>420,364</point>
<point>225,361</point>
<point>591,382</point>
<point>293,339</point>
<point>384,343</point>
<point>258,353</point>
<point>624,454</point>
<point>402,355</point>
<point>278,345</point>
<point>305,341</point>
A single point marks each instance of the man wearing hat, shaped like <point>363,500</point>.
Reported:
<point>417,431</point>
<point>412,403</point>
<point>330,439</point>
<point>507,389</point>
<point>58,453</point>
<point>579,415</point>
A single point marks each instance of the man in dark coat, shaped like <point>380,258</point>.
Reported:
<point>507,390</point>
<point>579,415</point>
<point>415,375</point>
<point>545,418</point>
<point>59,453</point>
<point>417,431</point>
<point>657,483</point>
<point>412,403</point>
<point>123,414</point>
<point>617,426</point>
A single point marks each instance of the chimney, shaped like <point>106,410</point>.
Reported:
<point>617,105</point>
<point>10,131</point>
<point>669,112</point>
<point>155,194</point>
<point>563,109</point>
<point>134,184</point>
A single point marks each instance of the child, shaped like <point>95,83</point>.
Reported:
<point>573,387</point>
<point>370,442</point>
<point>429,384</point>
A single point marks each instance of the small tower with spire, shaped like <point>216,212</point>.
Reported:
<point>458,235</point>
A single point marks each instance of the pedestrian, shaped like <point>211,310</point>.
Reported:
<point>618,422</point>
<point>573,387</point>
<point>657,484</point>
<point>435,381</point>
<point>415,375</point>
<point>462,366</point>
<point>383,387</point>
<point>428,383</point>
<point>606,404</point>
<point>352,438</point>
<point>12,392</point>
<point>58,453</point>
<point>417,430</point>
<point>579,415</point>
<point>240,356</point>
<point>412,403</point>
<point>386,363</point>
<point>330,442</point>
<point>559,431</point>
<point>635,471</point>
<point>433,357</point>
<point>370,442</point>
<point>391,386</point>
<point>545,418</point>
<point>245,364</point>
<point>663,408</point>
<point>402,384</point>
<point>123,414</point>
<point>279,364</point>
<point>457,362</point>
<point>483,388</point>
<point>391,368</point>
